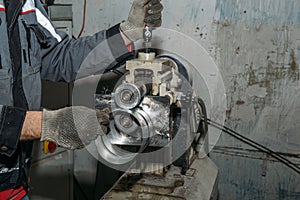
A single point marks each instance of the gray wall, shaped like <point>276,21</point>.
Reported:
<point>256,46</point>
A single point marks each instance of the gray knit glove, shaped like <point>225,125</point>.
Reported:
<point>74,127</point>
<point>142,12</point>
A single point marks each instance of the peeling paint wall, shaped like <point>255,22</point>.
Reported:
<point>257,49</point>
<point>256,45</point>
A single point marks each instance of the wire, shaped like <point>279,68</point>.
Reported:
<point>255,145</point>
<point>83,19</point>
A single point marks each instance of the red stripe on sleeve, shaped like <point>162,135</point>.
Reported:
<point>26,12</point>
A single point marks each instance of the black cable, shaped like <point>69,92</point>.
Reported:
<point>255,145</point>
<point>204,125</point>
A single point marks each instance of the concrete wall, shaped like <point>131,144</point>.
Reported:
<point>258,52</point>
<point>256,47</point>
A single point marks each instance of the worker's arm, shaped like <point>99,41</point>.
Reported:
<point>65,59</point>
<point>32,126</point>
<point>71,128</point>
<point>69,59</point>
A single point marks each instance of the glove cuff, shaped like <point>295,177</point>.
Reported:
<point>47,118</point>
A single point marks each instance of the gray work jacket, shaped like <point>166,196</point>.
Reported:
<point>47,54</point>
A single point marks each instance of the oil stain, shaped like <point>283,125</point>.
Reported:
<point>240,102</point>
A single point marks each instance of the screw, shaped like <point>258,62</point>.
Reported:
<point>126,96</point>
<point>126,121</point>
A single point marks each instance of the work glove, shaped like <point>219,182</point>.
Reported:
<point>143,12</point>
<point>74,127</point>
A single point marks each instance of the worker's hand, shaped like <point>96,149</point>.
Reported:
<point>142,12</point>
<point>74,127</point>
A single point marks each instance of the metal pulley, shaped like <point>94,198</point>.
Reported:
<point>128,95</point>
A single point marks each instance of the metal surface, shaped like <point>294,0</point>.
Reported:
<point>128,95</point>
<point>166,112</point>
<point>149,121</point>
<point>152,106</point>
<point>147,33</point>
<point>161,74</point>
<point>145,124</point>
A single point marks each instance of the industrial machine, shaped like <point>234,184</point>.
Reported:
<point>157,134</point>
<point>158,127</point>
<point>153,110</point>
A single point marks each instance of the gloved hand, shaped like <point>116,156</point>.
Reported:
<point>142,12</point>
<point>74,127</point>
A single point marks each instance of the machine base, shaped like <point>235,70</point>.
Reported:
<point>199,183</point>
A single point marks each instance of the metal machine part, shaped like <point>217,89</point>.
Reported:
<point>149,121</point>
<point>128,95</point>
<point>147,33</point>
<point>152,105</point>
<point>160,74</point>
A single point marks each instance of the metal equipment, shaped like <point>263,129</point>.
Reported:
<point>157,131</point>
<point>155,110</point>
<point>147,33</point>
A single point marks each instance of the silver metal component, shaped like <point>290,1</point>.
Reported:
<point>111,153</point>
<point>161,74</point>
<point>146,56</point>
<point>147,33</point>
<point>126,121</point>
<point>147,38</point>
<point>140,122</point>
<point>159,114</point>
<point>128,96</point>
<point>151,113</point>
<point>152,108</point>
<point>107,144</point>
<point>126,124</point>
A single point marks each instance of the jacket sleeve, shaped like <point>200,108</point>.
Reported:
<point>67,59</point>
<point>11,123</point>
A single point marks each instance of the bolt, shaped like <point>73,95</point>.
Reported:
<point>126,121</point>
<point>126,96</point>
